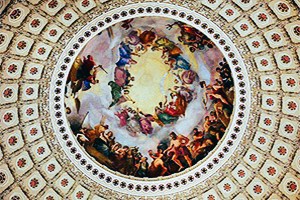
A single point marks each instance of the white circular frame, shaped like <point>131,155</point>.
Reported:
<point>162,185</point>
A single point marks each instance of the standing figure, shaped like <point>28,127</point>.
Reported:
<point>130,163</point>
<point>157,167</point>
<point>178,146</point>
<point>142,167</point>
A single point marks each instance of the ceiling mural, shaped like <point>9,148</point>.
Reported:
<point>152,78</point>
<point>149,100</point>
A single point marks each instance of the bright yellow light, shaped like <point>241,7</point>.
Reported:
<point>149,73</point>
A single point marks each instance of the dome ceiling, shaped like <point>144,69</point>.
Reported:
<point>152,100</point>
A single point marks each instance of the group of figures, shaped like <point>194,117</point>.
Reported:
<point>171,155</point>
<point>174,151</point>
<point>139,42</point>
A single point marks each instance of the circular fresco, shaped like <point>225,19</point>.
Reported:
<point>145,95</point>
<point>149,96</point>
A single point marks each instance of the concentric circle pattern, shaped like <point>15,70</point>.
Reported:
<point>43,157</point>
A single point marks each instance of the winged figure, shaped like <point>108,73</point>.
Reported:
<point>82,74</point>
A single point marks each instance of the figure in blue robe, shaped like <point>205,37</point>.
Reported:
<point>125,55</point>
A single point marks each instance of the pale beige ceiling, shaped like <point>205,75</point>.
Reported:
<point>266,164</point>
